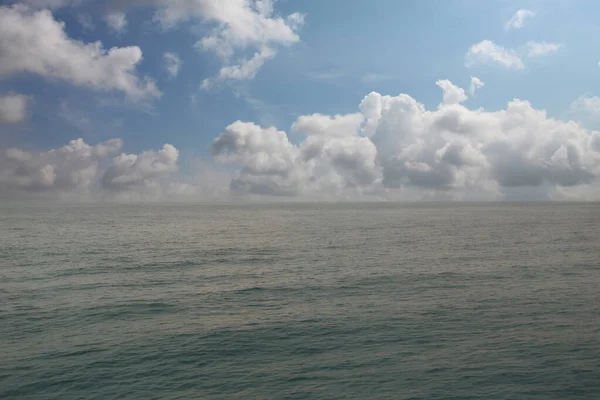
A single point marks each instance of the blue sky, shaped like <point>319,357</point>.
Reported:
<point>336,53</point>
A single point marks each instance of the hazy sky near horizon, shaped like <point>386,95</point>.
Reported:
<point>339,99</point>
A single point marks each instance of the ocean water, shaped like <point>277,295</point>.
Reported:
<point>336,301</point>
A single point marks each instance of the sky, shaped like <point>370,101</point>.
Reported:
<point>220,100</point>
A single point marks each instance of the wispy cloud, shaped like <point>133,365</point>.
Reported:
<point>541,49</point>
<point>327,75</point>
<point>246,70</point>
<point>374,77</point>
<point>488,52</point>
<point>587,104</point>
<point>172,64</point>
<point>117,21</point>
<point>86,21</point>
<point>476,83</point>
<point>517,21</point>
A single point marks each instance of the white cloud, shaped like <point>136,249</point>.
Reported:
<point>517,21</point>
<point>242,26</point>
<point>452,93</point>
<point>393,148</point>
<point>589,104</point>
<point>172,64</point>
<point>488,52</point>
<point>79,171</point>
<point>239,26</point>
<point>337,125</point>
<point>68,168</point>
<point>452,152</point>
<point>540,49</point>
<point>476,83</point>
<point>246,70</point>
<point>455,147</point>
<point>272,165</point>
<point>117,21</point>
<point>458,147</point>
<point>267,156</point>
<point>34,42</point>
<point>138,172</point>
<point>13,108</point>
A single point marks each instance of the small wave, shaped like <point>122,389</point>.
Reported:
<point>252,289</point>
<point>76,353</point>
<point>130,310</point>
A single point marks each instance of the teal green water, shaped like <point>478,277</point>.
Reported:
<point>358,301</point>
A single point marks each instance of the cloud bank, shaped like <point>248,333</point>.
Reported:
<point>392,148</point>
<point>395,145</point>
<point>82,171</point>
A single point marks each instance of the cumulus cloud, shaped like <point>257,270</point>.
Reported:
<point>34,42</point>
<point>488,52</point>
<point>133,171</point>
<point>325,162</point>
<point>476,84</point>
<point>92,172</point>
<point>396,145</point>
<point>13,108</point>
<point>455,147</point>
<point>541,49</point>
<point>337,125</point>
<point>517,21</point>
<point>239,26</point>
<point>71,167</point>
<point>172,64</point>
<point>452,93</point>
<point>267,156</point>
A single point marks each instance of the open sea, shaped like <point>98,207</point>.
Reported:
<point>309,301</point>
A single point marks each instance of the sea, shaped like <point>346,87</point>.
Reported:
<point>300,301</point>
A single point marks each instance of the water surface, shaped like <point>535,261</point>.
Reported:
<point>354,301</point>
